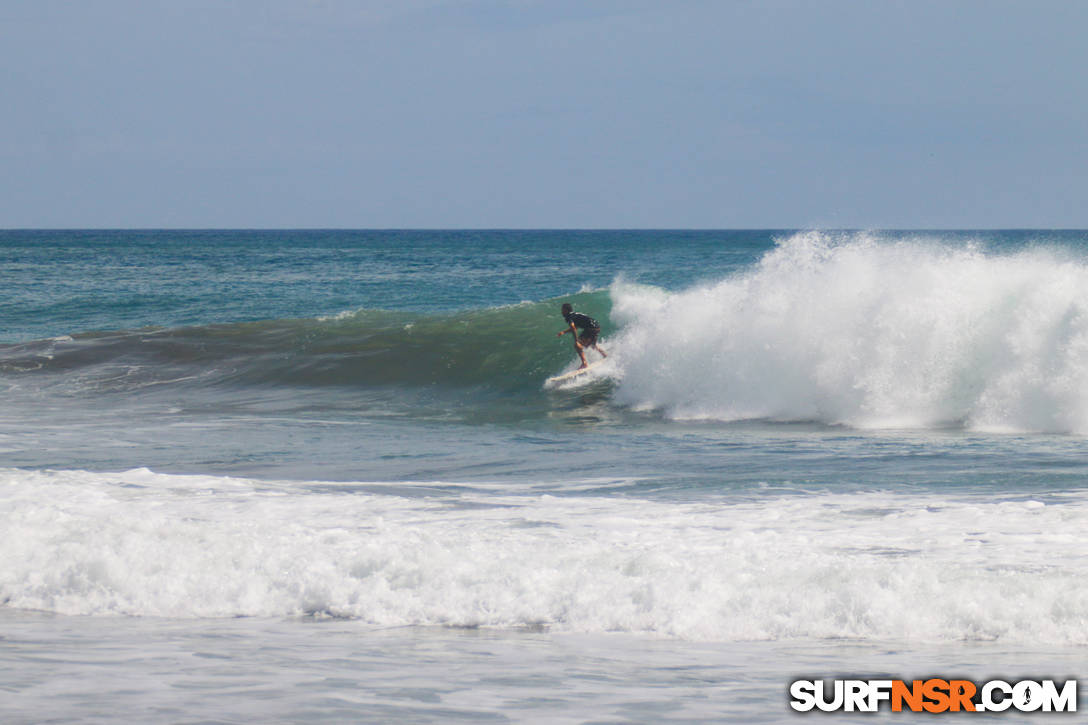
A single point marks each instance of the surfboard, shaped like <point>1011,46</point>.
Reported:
<point>556,380</point>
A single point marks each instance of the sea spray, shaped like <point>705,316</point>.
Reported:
<point>868,332</point>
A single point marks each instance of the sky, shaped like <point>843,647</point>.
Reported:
<point>543,114</point>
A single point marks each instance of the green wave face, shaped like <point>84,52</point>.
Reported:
<point>506,348</point>
<point>509,347</point>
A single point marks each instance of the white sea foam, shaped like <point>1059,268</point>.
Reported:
<point>863,565</point>
<point>338,316</point>
<point>868,332</point>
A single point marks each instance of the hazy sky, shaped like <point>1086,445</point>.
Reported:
<point>543,113</point>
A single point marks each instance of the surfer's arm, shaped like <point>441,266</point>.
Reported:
<point>571,328</point>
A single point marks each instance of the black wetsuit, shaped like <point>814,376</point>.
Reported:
<point>590,327</point>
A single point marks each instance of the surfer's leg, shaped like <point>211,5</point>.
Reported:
<point>580,349</point>
<point>590,340</point>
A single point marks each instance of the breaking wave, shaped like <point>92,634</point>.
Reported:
<point>868,332</point>
<point>851,329</point>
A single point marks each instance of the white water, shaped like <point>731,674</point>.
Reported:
<point>791,565</point>
<point>868,333</point>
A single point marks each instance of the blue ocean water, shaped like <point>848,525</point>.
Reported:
<point>285,461</point>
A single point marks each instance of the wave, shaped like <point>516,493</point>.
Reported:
<point>868,565</point>
<point>852,329</point>
<point>864,331</point>
<point>504,348</point>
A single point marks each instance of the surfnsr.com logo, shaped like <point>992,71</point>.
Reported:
<point>933,695</point>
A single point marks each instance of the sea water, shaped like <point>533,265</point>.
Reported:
<point>284,476</point>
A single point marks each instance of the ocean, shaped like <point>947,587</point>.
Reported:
<point>317,476</point>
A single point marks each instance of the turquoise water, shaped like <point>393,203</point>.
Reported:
<point>862,451</point>
<point>61,283</point>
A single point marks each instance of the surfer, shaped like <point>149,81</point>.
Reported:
<point>591,329</point>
